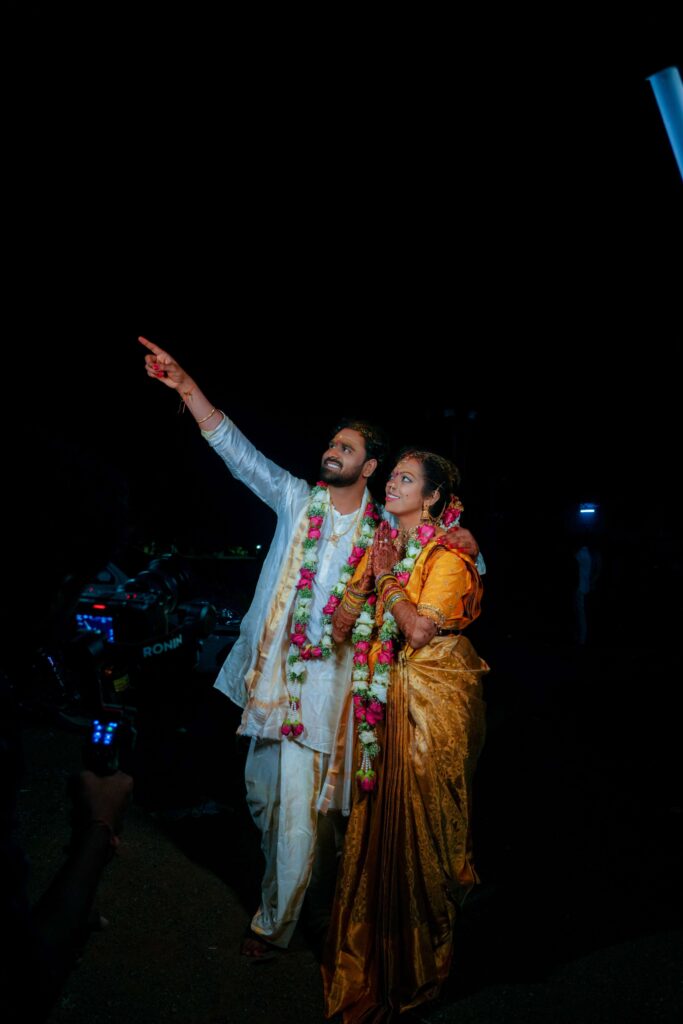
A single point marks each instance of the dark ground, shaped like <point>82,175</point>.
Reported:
<point>579,836</point>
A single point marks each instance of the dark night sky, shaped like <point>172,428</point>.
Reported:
<point>480,221</point>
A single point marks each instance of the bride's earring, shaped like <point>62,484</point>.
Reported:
<point>426,516</point>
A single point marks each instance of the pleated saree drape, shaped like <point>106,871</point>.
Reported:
<point>407,860</point>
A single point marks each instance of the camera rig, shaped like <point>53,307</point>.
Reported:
<point>137,643</point>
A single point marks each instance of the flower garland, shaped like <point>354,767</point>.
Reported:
<point>370,687</point>
<point>302,649</point>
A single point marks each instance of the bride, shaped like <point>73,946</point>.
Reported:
<point>419,714</point>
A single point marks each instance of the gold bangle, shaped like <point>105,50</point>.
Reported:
<point>393,600</point>
<point>205,418</point>
<point>386,581</point>
<point>352,605</point>
<point>390,592</point>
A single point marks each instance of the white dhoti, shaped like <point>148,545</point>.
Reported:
<point>283,781</point>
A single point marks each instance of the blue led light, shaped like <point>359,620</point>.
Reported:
<point>104,734</point>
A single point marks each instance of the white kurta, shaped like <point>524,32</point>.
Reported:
<point>257,681</point>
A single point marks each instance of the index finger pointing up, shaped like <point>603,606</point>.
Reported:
<point>151,346</point>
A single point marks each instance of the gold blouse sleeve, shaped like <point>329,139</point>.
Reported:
<point>445,582</point>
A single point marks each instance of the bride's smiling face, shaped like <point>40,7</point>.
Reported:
<point>405,491</point>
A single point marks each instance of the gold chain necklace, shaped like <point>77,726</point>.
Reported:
<point>336,537</point>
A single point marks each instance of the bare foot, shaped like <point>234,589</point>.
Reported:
<point>256,948</point>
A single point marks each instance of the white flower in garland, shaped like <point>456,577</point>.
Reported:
<point>379,691</point>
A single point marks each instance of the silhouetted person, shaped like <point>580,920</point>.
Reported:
<point>589,564</point>
<point>62,524</point>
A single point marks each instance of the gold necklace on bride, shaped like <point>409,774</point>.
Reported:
<point>336,537</point>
